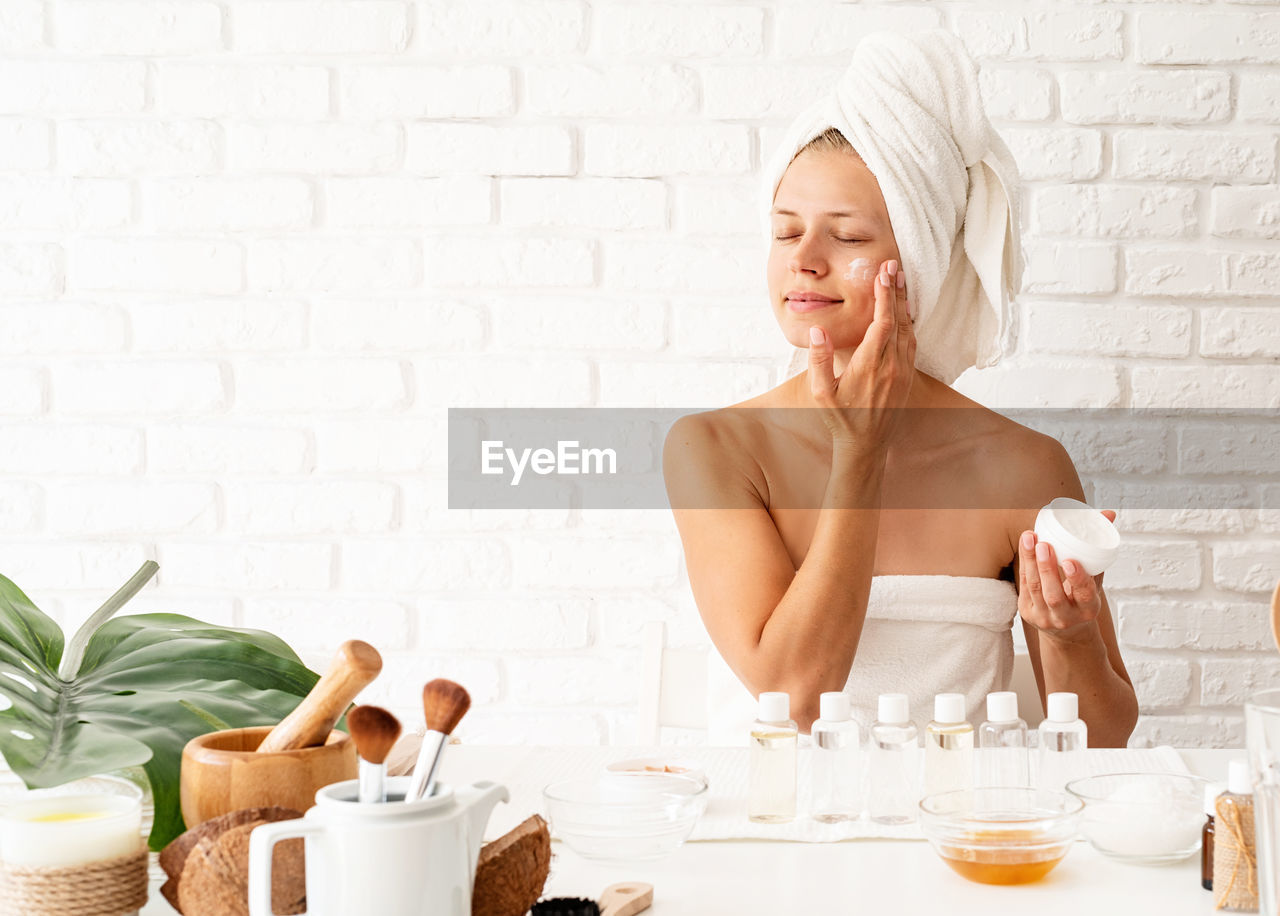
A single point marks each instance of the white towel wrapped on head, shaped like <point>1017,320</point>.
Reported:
<point>909,104</point>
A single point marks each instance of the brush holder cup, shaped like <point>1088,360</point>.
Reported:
<point>223,772</point>
<point>393,859</point>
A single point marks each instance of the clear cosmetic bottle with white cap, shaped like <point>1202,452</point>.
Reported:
<point>948,746</point>
<point>1002,744</point>
<point>837,775</point>
<point>1063,739</point>
<point>771,792</point>
<point>894,763</point>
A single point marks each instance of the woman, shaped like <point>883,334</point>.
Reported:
<point>809,573</point>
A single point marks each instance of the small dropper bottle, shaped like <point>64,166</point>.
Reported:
<point>948,746</point>
<point>894,762</point>
<point>836,769</point>
<point>1211,793</point>
<point>1063,739</point>
<point>1002,744</point>
<point>1233,843</point>
<point>771,796</point>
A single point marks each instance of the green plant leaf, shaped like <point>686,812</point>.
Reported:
<point>146,686</point>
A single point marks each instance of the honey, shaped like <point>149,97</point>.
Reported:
<point>1003,857</point>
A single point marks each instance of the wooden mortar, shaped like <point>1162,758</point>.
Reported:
<point>223,772</point>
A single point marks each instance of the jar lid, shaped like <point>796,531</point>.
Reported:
<point>1079,532</point>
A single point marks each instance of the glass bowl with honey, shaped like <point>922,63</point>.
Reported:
<point>1001,835</point>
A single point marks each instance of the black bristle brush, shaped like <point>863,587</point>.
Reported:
<point>625,899</point>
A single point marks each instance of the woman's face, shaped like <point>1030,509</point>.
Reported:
<point>831,233</point>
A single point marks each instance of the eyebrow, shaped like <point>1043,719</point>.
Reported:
<point>778,211</point>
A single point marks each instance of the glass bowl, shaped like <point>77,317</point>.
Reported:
<point>1001,835</point>
<point>1145,818</point>
<point>614,821</point>
<point>646,767</point>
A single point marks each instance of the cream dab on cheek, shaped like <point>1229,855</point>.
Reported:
<point>861,269</point>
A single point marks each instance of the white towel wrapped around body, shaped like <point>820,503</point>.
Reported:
<point>926,635</point>
<point>910,106</point>
<point>923,635</point>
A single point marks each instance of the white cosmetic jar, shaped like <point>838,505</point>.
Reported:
<point>1078,532</point>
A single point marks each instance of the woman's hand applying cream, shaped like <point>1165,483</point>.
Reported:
<point>861,406</point>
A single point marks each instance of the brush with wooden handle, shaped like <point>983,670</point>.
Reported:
<point>444,703</point>
<point>374,730</point>
<point>625,899</point>
<point>354,667</point>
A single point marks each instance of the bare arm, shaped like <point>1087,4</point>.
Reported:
<point>1070,635</point>
<point>781,628</point>
<point>777,627</point>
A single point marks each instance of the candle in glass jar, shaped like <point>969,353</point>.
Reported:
<point>70,830</point>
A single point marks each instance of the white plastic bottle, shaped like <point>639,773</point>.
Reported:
<point>771,795</point>
<point>948,746</point>
<point>1063,739</point>
<point>837,766</point>
<point>1003,759</point>
<point>894,792</point>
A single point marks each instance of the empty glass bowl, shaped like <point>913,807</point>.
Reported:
<point>616,822</point>
<point>1146,818</point>
<point>1001,835</point>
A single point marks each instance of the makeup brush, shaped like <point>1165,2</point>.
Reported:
<point>625,899</point>
<point>444,703</point>
<point>374,730</point>
<point>353,668</point>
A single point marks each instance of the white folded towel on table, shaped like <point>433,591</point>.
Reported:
<point>910,106</point>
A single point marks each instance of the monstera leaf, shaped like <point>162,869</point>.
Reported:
<point>131,692</point>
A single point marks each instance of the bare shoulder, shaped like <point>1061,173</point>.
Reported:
<point>1037,467</point>
<point>1027,466</point>
<point>705,462</point>
<point>714,454</point>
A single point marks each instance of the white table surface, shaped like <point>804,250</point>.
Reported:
<point>866,876</point>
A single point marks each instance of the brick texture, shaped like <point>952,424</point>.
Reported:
<point>252,252</point>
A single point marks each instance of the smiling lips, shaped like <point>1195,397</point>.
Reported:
<point>801,301</point>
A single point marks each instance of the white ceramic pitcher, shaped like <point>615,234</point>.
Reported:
<point>393,859</point>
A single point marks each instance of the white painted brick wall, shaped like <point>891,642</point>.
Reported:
<point>251,250</point>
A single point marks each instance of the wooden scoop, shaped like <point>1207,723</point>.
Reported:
<point>354,666</point>
<point>626,899</point>
<point>1275,615</point>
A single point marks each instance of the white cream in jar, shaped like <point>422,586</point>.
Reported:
<point>1079,532</point>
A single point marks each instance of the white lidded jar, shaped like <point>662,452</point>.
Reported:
<point>1079,532</point>
<point>771,792</point>
<point>1003,759</point>
<point>1063,739</point>
<point>837,764</point>
<point>894,762</point>
<point>948,746</point>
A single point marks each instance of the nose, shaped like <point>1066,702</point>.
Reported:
<point>808,256</point>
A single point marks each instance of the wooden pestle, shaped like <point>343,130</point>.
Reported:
<point>354,666</point>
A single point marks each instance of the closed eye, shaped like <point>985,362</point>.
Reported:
<point>783,238</point>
